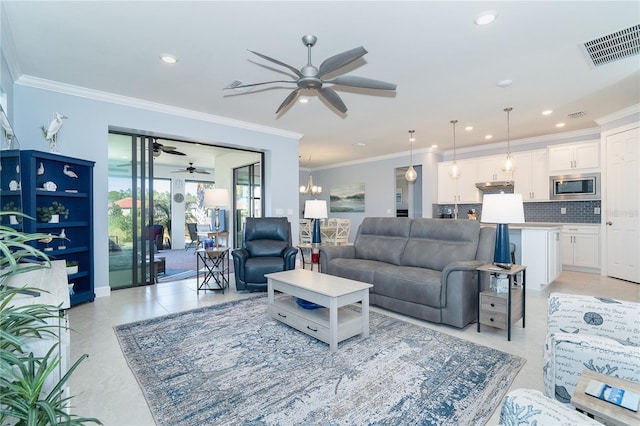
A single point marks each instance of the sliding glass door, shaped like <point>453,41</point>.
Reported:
<point>247,182</point>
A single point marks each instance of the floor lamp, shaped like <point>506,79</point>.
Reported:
<point>316,210</point>
<point>216,198</point>
<point>502,209</point>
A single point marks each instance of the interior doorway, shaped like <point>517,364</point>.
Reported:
<point>408,195</point>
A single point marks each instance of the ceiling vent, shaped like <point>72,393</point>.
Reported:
<point>613,47</point>
<point>578,114</point>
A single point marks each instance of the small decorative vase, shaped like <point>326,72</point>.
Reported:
<point>13,220</point>
<point>55,218</point>
<point>72,270</point>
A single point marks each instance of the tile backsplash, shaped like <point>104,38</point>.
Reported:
<point>552,211</point>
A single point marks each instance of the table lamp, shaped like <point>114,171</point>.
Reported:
<point>316,210</point>
<point>502,209</point>
<point>216,198</point>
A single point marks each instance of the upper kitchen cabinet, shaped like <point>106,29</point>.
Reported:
<point>460,190</point>
<point>530,175</point>
<point>574,158</point>
<point>490,169</point>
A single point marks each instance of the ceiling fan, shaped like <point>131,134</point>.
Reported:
<point>311,77</point>
<point>191,170</point>
<point>158,149</point>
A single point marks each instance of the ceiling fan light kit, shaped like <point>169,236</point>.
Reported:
<point>310,77</point>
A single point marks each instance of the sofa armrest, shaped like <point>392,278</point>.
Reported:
<point>566,355</point>
<point>467,265</point>
<point>333,252</point>
<point>459,293</point>
<point>605,317</point>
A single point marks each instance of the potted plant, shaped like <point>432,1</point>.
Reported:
<point>12,209</point>
<point>72,267</point>
<point>25,401</point>
<point>52,213</point>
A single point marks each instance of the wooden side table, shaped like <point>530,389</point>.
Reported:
<point>610,412</point>
<point>498,309</point>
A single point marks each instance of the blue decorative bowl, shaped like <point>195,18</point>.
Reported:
<point>307,305</point>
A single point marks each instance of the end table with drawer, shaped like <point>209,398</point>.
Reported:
<point>501,310</point>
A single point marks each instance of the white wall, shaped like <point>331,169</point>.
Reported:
<point>84,135</point>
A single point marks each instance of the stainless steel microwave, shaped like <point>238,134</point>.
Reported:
<point>575,187</point>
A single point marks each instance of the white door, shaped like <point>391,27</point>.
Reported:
<point>623,205</point>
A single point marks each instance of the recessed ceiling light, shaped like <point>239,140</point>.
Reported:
<point>360,144</point>
<point>504,83</point>
<point>560,125</point>
<point>303,100</point>
<point>434,146</point>
<point>488,137</point>
<point>486,17</point>
<point>468,128</point>
<point>168,59</point>
<point>547,112</point>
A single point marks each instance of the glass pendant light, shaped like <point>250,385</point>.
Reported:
<point>411,174</point>
<point>454,169</point>
<point>508,166</point>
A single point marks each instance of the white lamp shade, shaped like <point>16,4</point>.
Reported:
<point>315,209</point>
<point>502,208</point>
<point>217,197</point>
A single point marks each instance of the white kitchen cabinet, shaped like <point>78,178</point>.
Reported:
<point>461,190</point>
<point>581,247</point>
<point>489,169</point>
<point>538,248</point>
<point>531,178</point>
<point>574,158</point>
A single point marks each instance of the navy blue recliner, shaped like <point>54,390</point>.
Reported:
<point>266,248</point>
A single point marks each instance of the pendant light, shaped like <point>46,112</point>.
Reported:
<point>508,166</point>
<point>454,170</point>
<point>411,174</point>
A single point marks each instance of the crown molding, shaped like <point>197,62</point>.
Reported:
<point>8,45</point>
<point>83,92</point>
<point>623,113</point>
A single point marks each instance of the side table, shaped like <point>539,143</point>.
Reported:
<point>215,269</point>
<point>610,412</point>
<point>497,309</point>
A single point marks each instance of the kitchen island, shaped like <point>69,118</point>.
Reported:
<point>538,246</point>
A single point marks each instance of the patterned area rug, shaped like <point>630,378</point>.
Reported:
<point>232,364</point>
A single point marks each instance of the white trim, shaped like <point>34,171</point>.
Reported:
<point>8,45</point>
<point>623,113</point>
<point>104,291</point>
<point>68,89</point>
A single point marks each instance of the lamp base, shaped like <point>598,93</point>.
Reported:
<point>501,254</point>
<point>315,238</point>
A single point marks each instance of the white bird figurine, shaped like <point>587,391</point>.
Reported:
<point>54,126</point>
<point>68,172</point>
<point>46,240</point>
<point>41,169</point>
<point>8,131</point>
<point>63,235</point>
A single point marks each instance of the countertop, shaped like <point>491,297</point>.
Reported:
<point>542,225</point>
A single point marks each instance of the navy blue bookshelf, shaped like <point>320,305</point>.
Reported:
<point>39,170</point>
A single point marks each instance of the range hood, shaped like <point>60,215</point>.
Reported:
<point>495,185</point>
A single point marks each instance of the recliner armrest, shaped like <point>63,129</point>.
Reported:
<point>467,265</point>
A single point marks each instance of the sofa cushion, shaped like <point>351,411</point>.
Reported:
<point>417,285</point>
<point>382,239</point>
<point>354,269</point>
<point>435,243</point>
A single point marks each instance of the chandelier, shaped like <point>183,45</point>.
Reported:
<point>310,188</point>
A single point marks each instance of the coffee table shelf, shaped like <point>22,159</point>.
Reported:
<point>330,324</point>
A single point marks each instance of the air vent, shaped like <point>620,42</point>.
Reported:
<point>578,114</point>
<point>613,47</point>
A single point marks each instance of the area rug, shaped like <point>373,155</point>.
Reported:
<point>232,364</point>
<point>176,275</point>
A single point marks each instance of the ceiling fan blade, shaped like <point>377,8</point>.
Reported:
<point>288,100</point>
<point>233,84</point>
<point>203,172</point>
<point>174,152</point>
<point>340,60</point>
<point>367,83</point>
<point>332,97</point>
<point>275,61</point>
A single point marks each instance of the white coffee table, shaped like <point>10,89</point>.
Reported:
<point>332,324</point>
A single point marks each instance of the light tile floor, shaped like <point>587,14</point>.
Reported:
<point>105,387</point>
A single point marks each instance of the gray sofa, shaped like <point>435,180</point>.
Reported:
<point>425,268</point>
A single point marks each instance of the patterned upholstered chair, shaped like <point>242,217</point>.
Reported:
<point>530,407</point>
<point>600,334</point>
